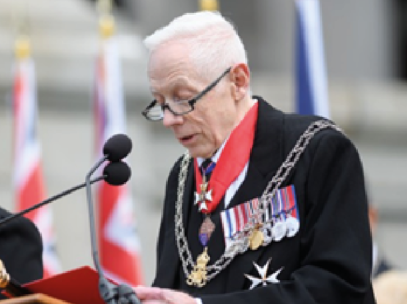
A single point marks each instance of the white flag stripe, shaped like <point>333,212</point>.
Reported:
<point>44,221</point>
<point>120,228</point>
<point>26,160</point>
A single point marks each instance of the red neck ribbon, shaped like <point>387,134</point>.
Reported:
<point>233,159</point>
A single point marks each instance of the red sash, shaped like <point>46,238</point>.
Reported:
<point>233,159</point>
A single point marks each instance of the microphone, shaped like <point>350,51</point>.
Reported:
<point>116,148</point>
<point>117,173</point>
<point>114,174</point>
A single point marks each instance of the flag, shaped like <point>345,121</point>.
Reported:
<point>28,177</point>
<point>119,245</point>
<point>311,83</point>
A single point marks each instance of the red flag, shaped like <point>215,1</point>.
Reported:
<point>28,177</point>
<point>117,236</point>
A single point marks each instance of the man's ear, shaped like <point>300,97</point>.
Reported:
<point>240,77</point>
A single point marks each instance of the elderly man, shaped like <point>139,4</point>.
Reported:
<point>264,207</point>
<point>20,249</point>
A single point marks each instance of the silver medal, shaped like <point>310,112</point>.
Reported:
<point>293,225</point>
<point>268,234</point>
<point>279,230</point>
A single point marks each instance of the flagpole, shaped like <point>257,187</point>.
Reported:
<point>22,48</point>
<point>106,20</point>
<point>208,5</point>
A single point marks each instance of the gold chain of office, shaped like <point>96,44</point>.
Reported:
<point>242,238</point>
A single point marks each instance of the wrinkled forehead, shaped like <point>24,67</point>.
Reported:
<point>170,65</point>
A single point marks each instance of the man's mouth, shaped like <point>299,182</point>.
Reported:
<point>186,139</point>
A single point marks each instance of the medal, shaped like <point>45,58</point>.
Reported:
<point>264,279</point>
<point>203,196</point>
<point>290,211</point>
<point>255,239</point>
<point>293,225</point>
<point>197,277</point>
<point>279,230</point>
<point>206,230</point>
<point>267,234</point>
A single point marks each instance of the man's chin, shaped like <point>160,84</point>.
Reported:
<point>193,152</point>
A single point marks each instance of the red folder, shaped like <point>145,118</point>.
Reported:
<point>77,286</point>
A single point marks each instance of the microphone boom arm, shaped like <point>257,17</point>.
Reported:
<point>49,200</point>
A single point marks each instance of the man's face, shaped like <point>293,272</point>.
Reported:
<point>173,77</point>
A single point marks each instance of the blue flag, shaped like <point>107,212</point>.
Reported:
<point>311,83</point>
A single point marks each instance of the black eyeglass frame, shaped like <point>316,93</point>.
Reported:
<point>191,102</point>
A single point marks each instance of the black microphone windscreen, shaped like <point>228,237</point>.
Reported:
<point>117,173</point>
<point>117,147</point>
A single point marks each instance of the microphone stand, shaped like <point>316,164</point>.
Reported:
<point>49,200</point>
<point>109,292</point>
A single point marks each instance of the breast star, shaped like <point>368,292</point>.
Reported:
<point>264,279</point>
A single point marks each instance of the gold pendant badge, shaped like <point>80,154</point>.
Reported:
<point>256,239</point>
<point>197,277</point>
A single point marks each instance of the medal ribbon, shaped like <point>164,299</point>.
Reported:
<point>233,159</point>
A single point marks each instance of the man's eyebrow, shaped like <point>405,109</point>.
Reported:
<point>174,85</point>
<point>181,82</point>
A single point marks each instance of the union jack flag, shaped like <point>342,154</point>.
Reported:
<point>117,236</point>
<point>28,176</point>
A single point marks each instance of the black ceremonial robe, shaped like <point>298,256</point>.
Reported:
<point>21,249</point>
<point>327,261</point>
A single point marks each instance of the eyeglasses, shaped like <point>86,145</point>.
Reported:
<point>155,110</point>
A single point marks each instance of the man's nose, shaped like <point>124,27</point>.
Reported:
<point>171,119</point>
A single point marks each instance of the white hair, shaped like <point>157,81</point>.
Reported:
<point>212,41</point>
